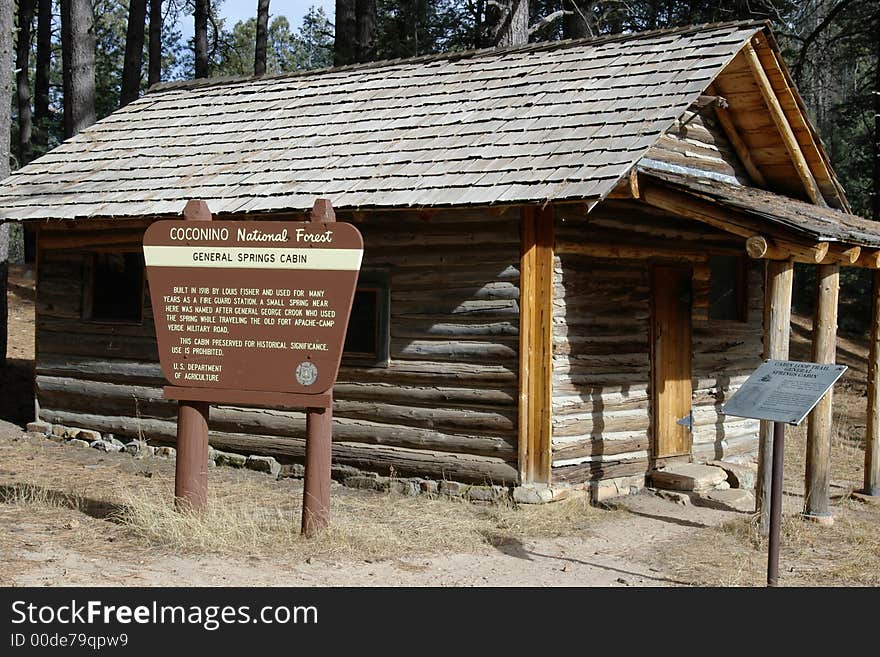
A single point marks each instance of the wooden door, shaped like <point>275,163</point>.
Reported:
<point>671,360</point>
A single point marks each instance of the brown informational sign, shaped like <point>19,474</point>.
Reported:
<point>252,305</point>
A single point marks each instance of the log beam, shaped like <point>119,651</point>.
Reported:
<point>697,209</point>
<point>741,148</point>
<point>868,258</point>
<point>843,255</point>
<point>778,279</point>
<point>636,252</point>
<point>627,187</point>
<point>784,127</point>
<point>819,423</point>
<point>760,247</point>
<point>872,430</point>
<point>536,344</point>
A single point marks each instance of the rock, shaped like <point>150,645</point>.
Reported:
<point>76,442</point>
<point>230,459</point>
<point>266,464</point>
<point>89,435</point>
<point>404,487</point>
<point>212,453</point>
<point>166,452</point>
<point>63,432</point>
<point>112,439</point>
<point>294,470</point>
<point>364,482</point>
<point>732,499</point>
<point>739,475</point>
<point>532,494</point>
<point>105,446</point>
<point>688,477</point>
<point>486,493</point>
<point>341,472</point>
<point>453,488</point>
<point>137,448</point>
<point>39,427</point>
<point>673,496</point>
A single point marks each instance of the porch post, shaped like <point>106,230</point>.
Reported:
<point>778,277</point>
<point>872,431</point>
<point>535,343</point>
<point>819,423</point>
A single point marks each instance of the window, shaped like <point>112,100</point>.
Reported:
<point>114,287</point>
<point>727,288</point>
<point>367,341</point>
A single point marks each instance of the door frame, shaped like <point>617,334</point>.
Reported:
<point>687,268</point>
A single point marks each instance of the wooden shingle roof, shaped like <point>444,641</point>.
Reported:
<point>555,121</point>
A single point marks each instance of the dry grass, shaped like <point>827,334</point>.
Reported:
<point>363,525</point>
<point>252,514</point>
<point>36,497</point>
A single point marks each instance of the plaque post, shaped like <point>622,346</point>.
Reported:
<point>316,488</point>
<point>319,437</point>
<point>191,468</point>
<point>775,503</point>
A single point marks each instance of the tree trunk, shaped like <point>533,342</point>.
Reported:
<point>877,133</point>
<point>262,37</point>
<point>78,65</point>
<point>366,30</point>
<point>23,86</point>
<point>202,7</point>
<point>511,23</point>
<point>574,24</point>
<point>134,52</point>
<point>6,39</point>
<point>41,78</point>
<point>345,41</point>
<point>154,74</point>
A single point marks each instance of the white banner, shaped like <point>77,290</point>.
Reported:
<point>231,257</point>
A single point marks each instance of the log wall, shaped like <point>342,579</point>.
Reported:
<point>445,406</point>
<point>601,341</point>
<point>697,142</point>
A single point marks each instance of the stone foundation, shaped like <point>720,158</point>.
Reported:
<point>353,477</point>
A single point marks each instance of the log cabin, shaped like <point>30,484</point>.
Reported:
<point>575,251</point>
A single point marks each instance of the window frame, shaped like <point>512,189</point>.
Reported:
<point>379,281</point>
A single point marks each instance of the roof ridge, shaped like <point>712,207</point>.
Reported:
<point>454,55</point>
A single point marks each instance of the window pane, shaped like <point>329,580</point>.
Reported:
<point>363,326</point>
<point>726,293</point>
<point>117,286</point>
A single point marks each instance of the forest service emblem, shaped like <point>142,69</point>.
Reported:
<point>306,373</point>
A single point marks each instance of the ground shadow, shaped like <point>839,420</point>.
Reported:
<point>516,548</point>
<point>17,384</point>
<point>30,493</point>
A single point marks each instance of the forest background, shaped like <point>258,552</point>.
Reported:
<point>66,63</point>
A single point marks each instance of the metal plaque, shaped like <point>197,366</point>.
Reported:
<point>252,306</point>
<point>783,391</point>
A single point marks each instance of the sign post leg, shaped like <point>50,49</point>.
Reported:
<point>316,493</point>
<point>191,471</point>
<point>775,503</point>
